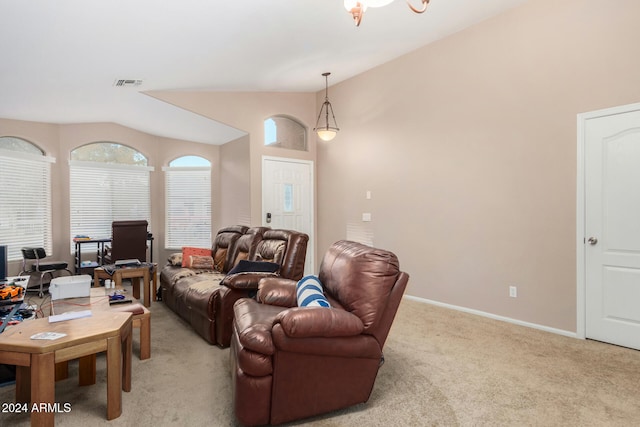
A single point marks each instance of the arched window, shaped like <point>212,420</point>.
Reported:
<point>285,132</point>
<point>25,195</point>
<point>188,202</point>
<point>109,152</point>
<point>108,182</point>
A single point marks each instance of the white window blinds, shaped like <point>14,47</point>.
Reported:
<point>101,193</point>
<point>188,207</point>
<point>25,207</point>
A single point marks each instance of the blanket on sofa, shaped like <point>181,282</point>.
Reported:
<point>208,281</point>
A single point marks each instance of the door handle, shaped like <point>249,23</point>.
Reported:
<point>592,240</point>
<point>268,217</point>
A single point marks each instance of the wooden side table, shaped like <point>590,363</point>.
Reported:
<point>135,274</point>
<point>36,359</point>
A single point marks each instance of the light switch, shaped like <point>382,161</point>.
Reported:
<point>368,195</point>
<point>366,217</point>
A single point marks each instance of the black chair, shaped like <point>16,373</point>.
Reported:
<point>128,241</point>
<point>38,266</point>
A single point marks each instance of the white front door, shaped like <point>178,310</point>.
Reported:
<point>287,198</point>
<point>611,240</point>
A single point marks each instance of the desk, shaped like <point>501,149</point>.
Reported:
<point>36,359</point>
<point>99,252</point>
<point>143,272</point>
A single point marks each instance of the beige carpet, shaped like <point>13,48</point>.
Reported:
<point>443,368</point>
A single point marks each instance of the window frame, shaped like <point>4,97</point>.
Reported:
<point>288,141</point>
<point>182,230</point>
<point>121,190</point>
<point>26,209</point>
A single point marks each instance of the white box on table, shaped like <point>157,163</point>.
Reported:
<point>70,287</point>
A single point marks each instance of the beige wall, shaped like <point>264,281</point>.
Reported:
<point>247,111</point>
<point>235,188</point>
<point>59,140</point>
<point>468,147</point>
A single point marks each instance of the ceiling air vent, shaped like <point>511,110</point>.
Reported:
<point>127,82</point>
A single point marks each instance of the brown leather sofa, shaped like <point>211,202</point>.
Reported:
<point>205,297</point>
<point>290,362</point>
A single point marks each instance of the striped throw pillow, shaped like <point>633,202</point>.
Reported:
<point>309,293</point>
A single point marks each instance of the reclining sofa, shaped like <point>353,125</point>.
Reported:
<point>290,362</point>
<point>204,297</point>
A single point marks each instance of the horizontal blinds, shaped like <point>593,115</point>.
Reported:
<point>102,193</point>
<point>25,207</point>
<point>188,207</point>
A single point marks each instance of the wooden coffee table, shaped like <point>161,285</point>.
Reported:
<point>36,359</point>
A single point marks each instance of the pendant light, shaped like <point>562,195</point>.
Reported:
<point>326,131</point>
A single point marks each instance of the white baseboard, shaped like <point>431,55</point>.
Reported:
<point>495,317</point>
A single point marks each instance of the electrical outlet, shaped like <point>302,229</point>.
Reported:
<point>513,291</point>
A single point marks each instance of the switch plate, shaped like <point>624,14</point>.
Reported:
<point>366,217</point>
<point>368,195</point>
<point>513,291</point>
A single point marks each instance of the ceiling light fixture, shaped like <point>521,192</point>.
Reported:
<point>357,7</point>
<point>326,132</point>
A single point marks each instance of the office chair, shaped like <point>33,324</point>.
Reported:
<point>38,266</point>
<point>128,241</point>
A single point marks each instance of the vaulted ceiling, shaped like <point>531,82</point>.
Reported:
<point>60,59</point>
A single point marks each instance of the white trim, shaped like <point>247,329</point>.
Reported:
<point>495,317</point>
<point>581,301</point>
<point>83,163</point>
<point>310,248</point>
<point>581,313</point>
<point>27,156</point>
<point>186,168</point>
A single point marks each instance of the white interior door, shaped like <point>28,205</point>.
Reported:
<point>612,225</point>
<point>287,198</point>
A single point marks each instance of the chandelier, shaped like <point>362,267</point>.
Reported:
<point>328,130</point>
<point>357,7</point>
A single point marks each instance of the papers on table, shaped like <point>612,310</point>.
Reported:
<point>47,336</point>
<point>70,315</point>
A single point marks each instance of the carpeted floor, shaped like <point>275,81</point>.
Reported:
<point>443,368</point>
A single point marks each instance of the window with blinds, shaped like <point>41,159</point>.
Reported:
<point>104,192</point>
<point>188,203</point>
<point>25,195</point>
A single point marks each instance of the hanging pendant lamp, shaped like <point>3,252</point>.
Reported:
<point>328,130</point>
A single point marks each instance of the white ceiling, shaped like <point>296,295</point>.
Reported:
<point>59,59</point>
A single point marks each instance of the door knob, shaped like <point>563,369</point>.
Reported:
<point>592,240</point>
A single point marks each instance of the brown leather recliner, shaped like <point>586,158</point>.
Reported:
<point>290,362</point>
<point>201,306</point>
<point>285,247</point>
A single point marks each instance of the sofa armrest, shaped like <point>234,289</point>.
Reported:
<point>307,322</point>
<point>247,281</point>
<point>277,291</point>
<point>359,346</point>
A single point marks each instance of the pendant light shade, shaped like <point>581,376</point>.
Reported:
<point>326,129</point>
